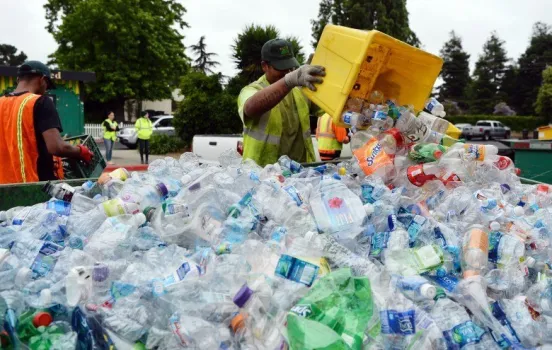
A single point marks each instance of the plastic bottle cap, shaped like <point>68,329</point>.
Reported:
<point>518,211</point>
<point>22,276</point>
<point>162,189</point>
<point>428,291</point>
<point>237,323</point>
<point>42,319</point>
<point>140,219</point>
<point>368,208</point>
<point>242,296</point>
<point>185,179</point>
<point>342,171</point>
<point>46,296</point>
<point>530,261</point>
<point>495,226</point>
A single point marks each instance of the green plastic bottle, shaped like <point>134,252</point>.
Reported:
<point>426,152</point>
<point>30,321</point>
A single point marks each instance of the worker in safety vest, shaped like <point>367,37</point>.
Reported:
<point>330,138</point>
<point>144,128</point>
<point>274,111</point>
<point>30,130</point>
<point>110,128</point>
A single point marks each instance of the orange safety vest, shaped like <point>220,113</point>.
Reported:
<point>329,143</point>
<point>19,154</point>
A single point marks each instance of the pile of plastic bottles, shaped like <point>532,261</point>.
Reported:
<point>412,244</point>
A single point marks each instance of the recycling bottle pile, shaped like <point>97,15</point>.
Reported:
<point>418,242</point>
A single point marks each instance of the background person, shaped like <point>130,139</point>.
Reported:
<point>110,127</point>
<point>144,128</point>
<point>330,138</point>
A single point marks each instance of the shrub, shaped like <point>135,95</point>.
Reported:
<point>516,123</point>
<point>163,144</point>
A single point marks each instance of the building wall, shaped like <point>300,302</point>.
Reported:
<point>162,105</point>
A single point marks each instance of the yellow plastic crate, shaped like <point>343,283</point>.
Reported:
<point>545,132</point>
<point>358,62</point>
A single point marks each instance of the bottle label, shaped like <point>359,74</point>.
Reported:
<point>65,193</point>
<point>46,259</point>
<point>372,157</point>
<point>463,334</point>
<point>119,174</point>
<point>439,237</point>
<point>294,194</point>
<point>416,175</point>
<point>171,208</point>
<point>503,163</point>
<point>412,222</point>
<point>500,315</point>
<point>347,118</point>
<point>445,280</point>
<point>278,234</point>
<point>367,191</point>
<point>394,322</point>
<point>21,216</point>
<point>296,270</point>
<point>117,207</point>
<point>338,211</point>
<point>411,283</point>
<point>477,152</point>
<point>379,116</point>
<point>379,243</point>
<point>179,331</point>
<point>478,239</point>
<point>61,208</point>
<point>117,291</point>
<point>159,285</point>
<point>494,240</point>
<point>57,236</point>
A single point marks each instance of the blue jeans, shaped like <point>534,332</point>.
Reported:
<point>108,149</point>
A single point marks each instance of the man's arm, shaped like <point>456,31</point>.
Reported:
<point>266,99</point>
<point>57,147</point>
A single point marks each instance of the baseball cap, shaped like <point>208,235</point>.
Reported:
<point>36,68</point>
<point>279,54</point>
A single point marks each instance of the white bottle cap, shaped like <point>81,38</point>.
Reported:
<point>428,291</point>
<point>518,211</point>
<point>4,253</point>
<point>46,297</point>
<point>368,208</point>
<point>140,219</point>
<point>495,226</point>
<point>185,179</point>
<point>22,276</point>
<point>530,261</point>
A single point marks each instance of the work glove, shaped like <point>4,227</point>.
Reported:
<point>85,154</point>
<point>305,76</point>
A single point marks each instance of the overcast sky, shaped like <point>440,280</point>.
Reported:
<point>23,22</point>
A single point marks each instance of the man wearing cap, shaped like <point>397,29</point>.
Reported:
<point>274,111</point>
<point>30,129</point>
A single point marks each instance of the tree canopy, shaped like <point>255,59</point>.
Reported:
<point>543,105</point>
<point>456,70</point>
<point>204,61</point>
<point>388,16</point>
<point>247,50</point>
<point>133,46</point>
<point>10,57</point>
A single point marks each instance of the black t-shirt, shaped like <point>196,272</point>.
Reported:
<point>45,117</point>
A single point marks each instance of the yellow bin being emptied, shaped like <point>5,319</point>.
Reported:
<point>358,62</point>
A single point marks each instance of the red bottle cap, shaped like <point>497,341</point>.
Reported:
<point>42,319</point>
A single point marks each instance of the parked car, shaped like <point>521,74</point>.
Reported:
<point>162,124</point>
<point>487,129</point>
<point>466,130</point>
<point>209,147</point>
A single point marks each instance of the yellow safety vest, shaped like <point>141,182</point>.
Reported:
<point>326,136</point>
<point>144,127</point>
<point>110,135</point>
<point>261,137</point>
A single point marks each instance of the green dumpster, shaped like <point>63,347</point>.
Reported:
<point>534,158</point>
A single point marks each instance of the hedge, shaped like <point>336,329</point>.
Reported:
<point>516,123</point>
<point>163,144</point>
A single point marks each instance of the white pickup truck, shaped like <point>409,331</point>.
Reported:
<point>209,147</point>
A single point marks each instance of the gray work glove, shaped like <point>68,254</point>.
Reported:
<point>305,76</point>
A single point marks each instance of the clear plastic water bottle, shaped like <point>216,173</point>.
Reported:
<point>435,107</point>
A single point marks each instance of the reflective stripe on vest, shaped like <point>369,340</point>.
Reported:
<point>261,138</point>
<point>327,142</point>
<point>110,135</point>
<point>18,140</point>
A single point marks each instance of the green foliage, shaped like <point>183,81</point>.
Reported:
<point>10,57</point>
<point>516,123</point>
<point>543,105</point>
<point>235,84</point>
<point>134,46</point>
<point>247,50</point>
<point>456,70</point>
<point>532,62</point>
<point>204,61</point>
<point>388,16</point>
<point>163,144</point>
<point>206,108</point>
<point>488,76</point>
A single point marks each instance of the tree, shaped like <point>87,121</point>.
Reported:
<point>456,70</point>
<point>388,16</point>
<point>206,108</point>
<point>532,62</point>
<point>204,61</point>
<point>247,50</point>
<point>488,76</point>
<point>543,105</point>
<point>9,56</point>
<point>133,46</point>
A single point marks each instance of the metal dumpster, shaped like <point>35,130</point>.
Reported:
<point>534,158</point>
